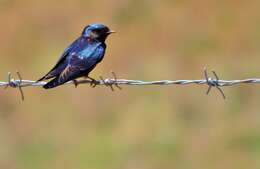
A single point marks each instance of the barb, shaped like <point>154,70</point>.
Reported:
<point>14,83</point>
<point>18,85</point>
<point>111,82</point>
<point>214,82</point>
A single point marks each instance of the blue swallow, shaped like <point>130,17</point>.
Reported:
<point>80,58</point>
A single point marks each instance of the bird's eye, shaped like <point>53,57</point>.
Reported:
<point>97,31</point>
<point>94,34</point>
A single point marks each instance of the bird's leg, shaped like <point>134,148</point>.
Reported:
<point>75,83</point>
<point>93,82</point>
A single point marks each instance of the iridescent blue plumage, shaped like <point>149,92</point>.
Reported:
<point>80,57</point>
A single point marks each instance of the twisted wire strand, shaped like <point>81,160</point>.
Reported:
<point>111,82</point>
<point>222,83</point>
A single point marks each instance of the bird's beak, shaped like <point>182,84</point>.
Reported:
<point>111,31</point>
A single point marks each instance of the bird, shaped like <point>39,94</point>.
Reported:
<point>80,58</point>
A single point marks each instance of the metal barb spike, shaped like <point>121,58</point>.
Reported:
<point>213,83</point>
<point>19,85</point>
<point>9,76</point>
<point>107,83</point>
<point>115,80</point>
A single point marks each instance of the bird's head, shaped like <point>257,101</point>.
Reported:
<point>97,31</point>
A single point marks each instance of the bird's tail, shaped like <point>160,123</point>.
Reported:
<point>53,83</point>
<point>41,79</point>
<point>49,75</point>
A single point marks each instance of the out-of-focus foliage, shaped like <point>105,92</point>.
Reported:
<point>138,127</point>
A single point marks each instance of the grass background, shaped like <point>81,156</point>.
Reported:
<point>149,127</point>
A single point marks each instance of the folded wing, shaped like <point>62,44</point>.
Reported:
<point>78,65</point>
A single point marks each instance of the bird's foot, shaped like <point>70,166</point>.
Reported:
<point>93,82</point>
<point>75,83</point>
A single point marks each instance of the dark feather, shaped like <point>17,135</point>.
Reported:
<point>80,57</point>
<point>69,73</point>
<point>51,84</point>
<point>60,65</point>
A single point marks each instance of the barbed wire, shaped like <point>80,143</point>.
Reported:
<point>115,82</point>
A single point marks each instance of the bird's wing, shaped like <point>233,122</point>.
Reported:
<point>61,63</point>
<point>82,63</point>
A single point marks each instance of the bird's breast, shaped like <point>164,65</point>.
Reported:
<point>90,50</point>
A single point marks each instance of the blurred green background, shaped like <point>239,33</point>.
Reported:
<point>145,127</point>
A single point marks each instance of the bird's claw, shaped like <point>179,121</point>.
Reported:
<point>93,83</point>
<point>75,82</point>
